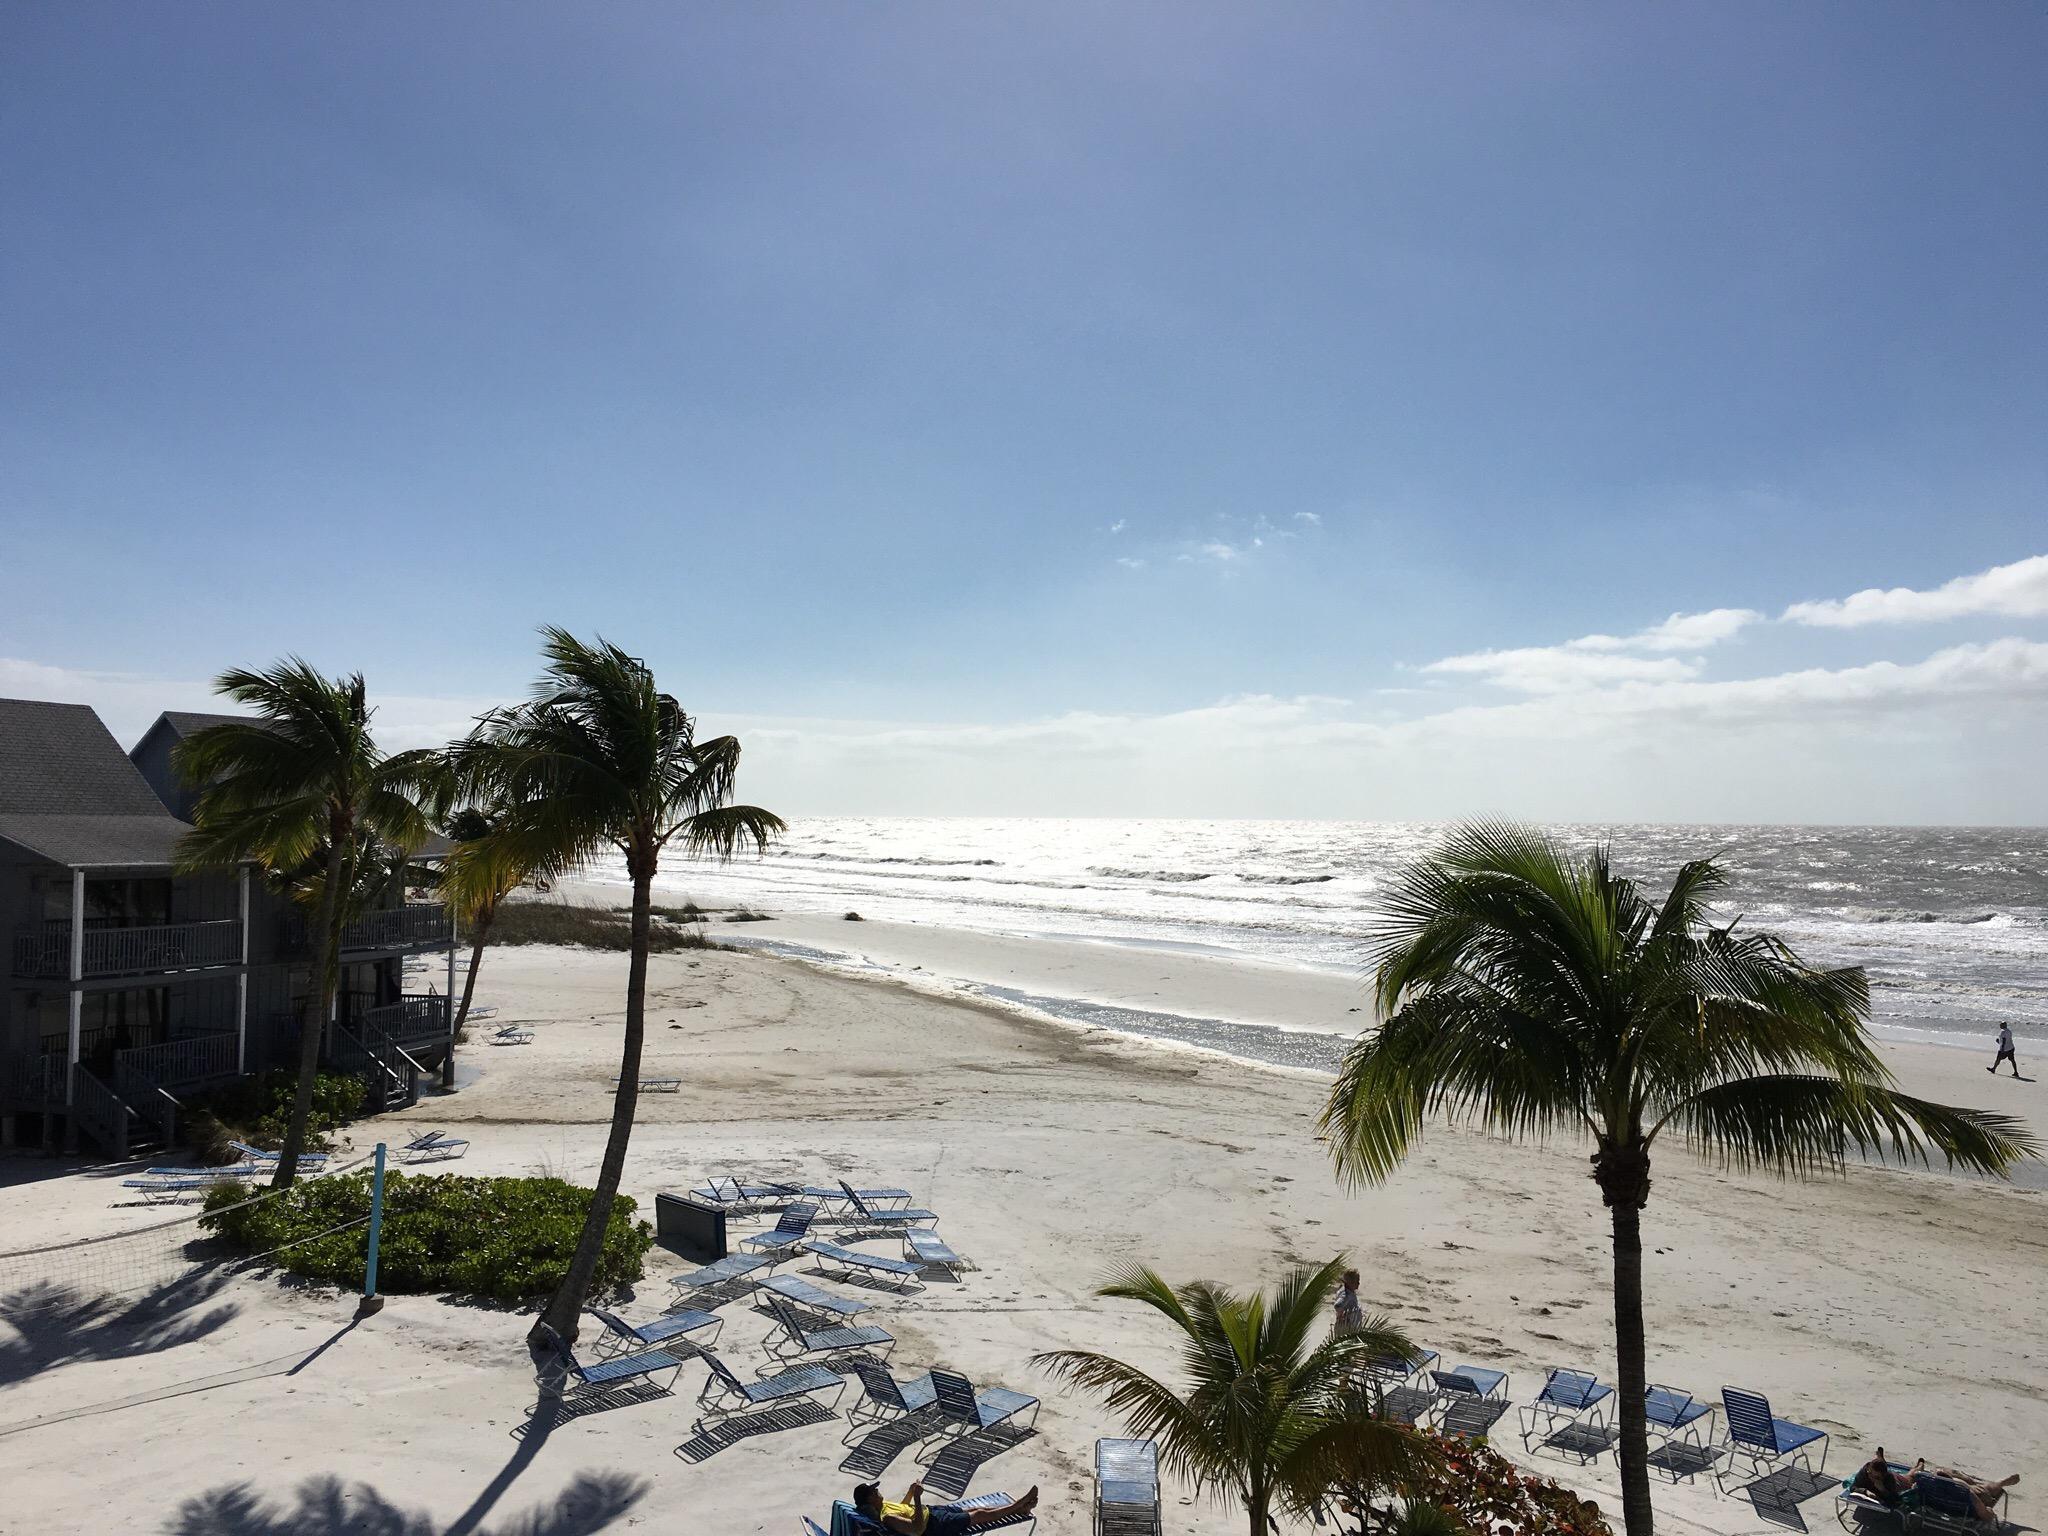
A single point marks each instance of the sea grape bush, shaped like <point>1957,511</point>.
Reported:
<point>506,1239</point>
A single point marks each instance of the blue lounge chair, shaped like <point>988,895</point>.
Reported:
<point>1126,1488</point>
<point>1470,1400</point>
<point>1568,1398</point>
<point>961,1410</point>
<point>1763,1441</point>
<point>670,1325</point>
<point>817,1298</point>
<point>790,1230</point>
<point>571,1376</point>
<point>883,1397</point>
<point>725,1393</point>
<point>738,1198</point>
<point>875,1218</point>
<point>1393,1370</point>
<point>242,1170</point>
<point>793,1340</point>
<point>726,1276</point>
<point>510,1034</point>
<point>432,1147</point>
<point>258,1155</point>
<point>925,1248</point>
<point>161,1191</point>
<point>1676,1415</point>
<point>835,1196</point>
<point>851,1261</point>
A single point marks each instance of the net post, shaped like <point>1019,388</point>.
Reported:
<point>372,1302</point>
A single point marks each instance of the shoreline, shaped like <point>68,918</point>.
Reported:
<point>1259,1013</point>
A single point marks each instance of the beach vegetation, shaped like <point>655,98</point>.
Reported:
<point>1466,1489</point>
<point>303,790</point>
<point>566,922</point>
<point>1274,1409</point>
<point>474,888</point>
<point>257,1110</point>
<point>1536,991</point>
<point>498,1239</point>
<point>598,761</point>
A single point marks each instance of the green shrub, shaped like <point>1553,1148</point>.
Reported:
<point>255,1109</point>
<point>501,1239</point>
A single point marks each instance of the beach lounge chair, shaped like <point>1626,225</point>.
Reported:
<point>1684,1428</point>
<point>1570,1414</point>
<point>883,1397</point>
<point>161,1191</point>
<point>1393,1370</point>
<point>1470,1400</point>
<point>667,1327</point>
<point>657,1084</point>
<point>848,1521</point>
<point>1941,1506</point>
<point>782,1239</point>
<point>241,1170</point>
<point>793,1339</point>
<point>258,1155</point>
<point>925,1248</point>
<point>851,1262</point>
<point>834,1195</point>
<point>567,1376</point>
<point>726,1276</point>
<point>432,1147</point>
<point>816,1297</point>
<point>476,1014</point>
<point>510,1034</point>
<point>725,1393</point>
<point>1762,1441</point>
<point>961,1409</point>
<point>1126,1488</point>
<point>875,1218</point>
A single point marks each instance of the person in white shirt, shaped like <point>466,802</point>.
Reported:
<point>2005,1051</point>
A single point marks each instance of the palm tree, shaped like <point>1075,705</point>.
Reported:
<point>474,884</point>
<point>1276,1411</point>
<point>1537,991</point>
<point>599,759</point>
<point>303,790</point>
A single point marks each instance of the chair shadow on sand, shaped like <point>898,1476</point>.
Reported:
<point>326,1506</point>
<point>58,1324</point>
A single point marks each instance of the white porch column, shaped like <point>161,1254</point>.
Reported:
<point>77,975</point>
<point>454,934</point>
<point>242,980</point>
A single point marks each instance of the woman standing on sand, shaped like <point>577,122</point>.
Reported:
<point>1350,1315</point>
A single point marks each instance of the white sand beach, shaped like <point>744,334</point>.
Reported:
<point>1882,1306</point>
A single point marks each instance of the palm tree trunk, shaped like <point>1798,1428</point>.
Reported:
<point>564,1311</point>
<point>484,919</point>
<point>319,1003</point>
<point>1256,1505</point>
<point>1631,1188</point>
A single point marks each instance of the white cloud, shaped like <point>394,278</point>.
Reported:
<point>1596,660</point>
<point>1313,519</point>
<point>1215,552</point>
<point>2016,591</point>
<point>1131,562</point>
<point>1119,525</point>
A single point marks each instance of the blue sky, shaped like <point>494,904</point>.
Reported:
<point>956,395</point>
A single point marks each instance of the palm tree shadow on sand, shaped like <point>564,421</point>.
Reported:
<point>56,1324</point>
<point>326,1506</point>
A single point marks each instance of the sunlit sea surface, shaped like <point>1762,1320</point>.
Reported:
<point>1951,923</point>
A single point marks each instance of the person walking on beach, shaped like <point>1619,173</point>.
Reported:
<point>2005,1051</point>
<point>1350,1314</point>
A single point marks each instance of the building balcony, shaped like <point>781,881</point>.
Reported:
<point>416,925</point>
<point>42,952</point>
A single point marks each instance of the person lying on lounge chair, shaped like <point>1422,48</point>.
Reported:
<point>914,1518</point>
<point>1876,1478</point>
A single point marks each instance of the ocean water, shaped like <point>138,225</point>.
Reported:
<point>1950,923</point>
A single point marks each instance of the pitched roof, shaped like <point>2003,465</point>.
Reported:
<point>58,760</point>
<point>186,721</point>
<point>68,793</point>
<point>76,841</point>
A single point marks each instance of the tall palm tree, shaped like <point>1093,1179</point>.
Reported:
<point>1535,990</point>
<point>474,883</point>
<point>1276,1410</point>
<point>303,789</point>
<point>600,759</point>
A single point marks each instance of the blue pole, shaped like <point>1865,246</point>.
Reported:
<point>371,1301</point>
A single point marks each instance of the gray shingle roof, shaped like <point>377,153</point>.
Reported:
<point>186,721</point>
<point>58,760</point>
<point>104,840</point>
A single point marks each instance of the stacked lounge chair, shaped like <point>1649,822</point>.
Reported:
<point>1126,1488</point>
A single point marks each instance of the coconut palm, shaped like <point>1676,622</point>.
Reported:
<point>1534,990</point>
<point>600,760</point>
<point>1276,1409</point>
<point>474,883</point>
<point>303,789</point>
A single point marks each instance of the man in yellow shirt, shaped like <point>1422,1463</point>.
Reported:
<point>913,1517</point>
